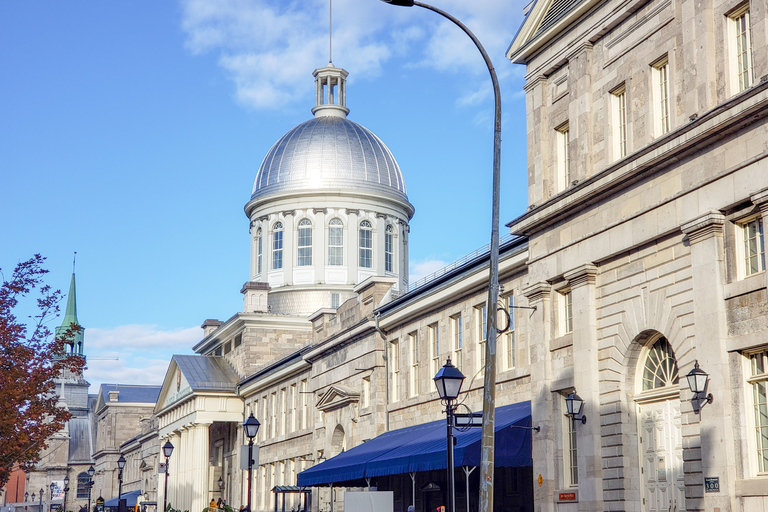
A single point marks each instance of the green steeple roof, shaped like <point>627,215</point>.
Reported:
<point>70,317</point>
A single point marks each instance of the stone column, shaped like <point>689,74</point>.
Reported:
<point>580,113</point>
<point>586,381</point>
<point>200,462</point>
<point>539,156</point>
<point>542,406</point>
<point>708,433</point>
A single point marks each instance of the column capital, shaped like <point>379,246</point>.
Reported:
<point>286,213</point>
<point>702,228</point>
<point>761,200</point>
<point>319,210</point>
<point>585,274</point>
<point>537,292</point>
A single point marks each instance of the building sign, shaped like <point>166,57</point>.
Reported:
<point>712,484</point>
<point>57,491</point>
<point>566,497</point>
<point>161,467</point>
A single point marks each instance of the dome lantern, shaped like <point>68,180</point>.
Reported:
<point>330,92</point>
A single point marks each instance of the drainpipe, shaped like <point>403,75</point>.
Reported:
<point>386,371</point>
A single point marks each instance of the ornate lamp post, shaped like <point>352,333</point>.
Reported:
<point>167,451</point>
<point>66,490</point>
<point>448,381</point>
<point>26,496</point>
<point>251,427</point>
<point>41,499</point>
<point>53,488</point>
<point>487,460</point>
<point>120,466</point>
<point>91,472</point>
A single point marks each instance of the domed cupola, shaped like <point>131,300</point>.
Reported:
<point>328,208</point>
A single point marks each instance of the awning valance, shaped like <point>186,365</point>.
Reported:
<point>130,497</point>
<point>422,448</point>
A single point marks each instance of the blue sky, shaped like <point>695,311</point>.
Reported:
<point>131,132</point>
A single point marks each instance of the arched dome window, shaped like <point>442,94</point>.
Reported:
<point>305,243</point>
<point>335,242</point>
<point>277,246</point>
<point>83,481</point>
<point>258,251</point>
<point>389,248</point>
<point>660,366</point>
<point>366,245</point>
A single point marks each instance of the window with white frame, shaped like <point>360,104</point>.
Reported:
<point>660,77</point>
<point>394,369</point>
<point>433,338</point>
<point>277,246</point>
<point>565,309</point>
<point>510,346</point>
<point>389,249</point>
<point>740,48</point>
<point>366,244</point>
<point>619,121</point>
<point>562,136</point>
<point>457,341</point>
<point>413,350</point>
<point>273,415</point>
<point>259,244</point>
<point>570,448</point>
<point>335,242</point>
<point>304,247</point>
<point>292,399</point>
<point>335,300</point>
<point>283,410</point>
<point>758,381</point>
<point>481,329</point>
<point>304,412</point>
<point>752,246</point>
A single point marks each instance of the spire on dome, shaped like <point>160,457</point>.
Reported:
<point>330,92</point>
<point>70,317</point>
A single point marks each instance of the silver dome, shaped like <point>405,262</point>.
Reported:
<point>329,153</point>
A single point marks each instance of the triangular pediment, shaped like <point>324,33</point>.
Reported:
<point>337,396</point>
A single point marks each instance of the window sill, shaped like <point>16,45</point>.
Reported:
<point>563,341</point>
<point>757,486</point>
<point>744,286</point>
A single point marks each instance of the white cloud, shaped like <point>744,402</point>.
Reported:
<point>136,336</point>
<point>421,269</point>
<point>266,47</point>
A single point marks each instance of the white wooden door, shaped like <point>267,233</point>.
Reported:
<point>661,452</point>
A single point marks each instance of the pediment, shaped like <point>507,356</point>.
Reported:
<point>337,396</point>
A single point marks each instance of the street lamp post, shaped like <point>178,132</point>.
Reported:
<point>487,461</point>
<point>91,472</point>
<point>41,499</point>
<point>53,488</point>
<point>66,490</point>
<point>120,466</point>
<point>251,427</point>
<point>167,451</point>
<point>448,381</point>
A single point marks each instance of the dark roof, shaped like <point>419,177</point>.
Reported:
<point>131,393</point>
<point>207,372</point>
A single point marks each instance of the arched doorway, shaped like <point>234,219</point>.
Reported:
<point>338,441</point>
<point>659,429</point>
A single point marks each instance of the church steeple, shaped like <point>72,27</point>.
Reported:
<point>70,317</point>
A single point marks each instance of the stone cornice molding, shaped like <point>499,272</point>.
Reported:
<point>538,292</point>
<point>381,215</point>
<point>354,211</point>
<point>760,199</point>
<point>584,47</point>
<point>580,276</point>
<point>704,227</point>
<point>535,81</point>
<point>319,210</point>
<point>286,213</point>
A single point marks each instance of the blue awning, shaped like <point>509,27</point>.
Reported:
<point>422,448</point>
<point>130,498</point>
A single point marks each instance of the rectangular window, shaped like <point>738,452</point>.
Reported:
<point>566,312</point>
<point>389,249</point>
<point>292,398</point>
<point>283,411</point>
<point>570,449</point>
<point>457,340</point>
<point>258,257</point>
<point>366,245</point>
<point>433,338</point>
<point>238,340</point>
<point>335,300</point>
<point>366,392</point>
<point>619,125</point>
<point>510,348</point>
<point>277,249</point>
<point>394,368</point>
<point>660,75</point>
<point>481,329</point>
<point>413,349</point>
<point>741,47</point>
<point>303,392</point>
<point>335,242</point>
<point>758,380</point>
<point>563,159</point>
<point>265,418</point>
<point>304,248</point>
<point>753,246</point>
<point>273,414</point>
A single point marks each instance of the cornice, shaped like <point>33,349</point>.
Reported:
<point>704,227</point>
<point>537,292</point>
<point>580,276</point>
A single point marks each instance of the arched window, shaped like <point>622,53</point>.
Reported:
<point>335,242</point>
<point>277,246</point>
<point>83,482</point>
<point>305,243</point>
<point>389,249</point>
<point>660,366</point>
<point>366,245</point>
<point>258,251</point>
